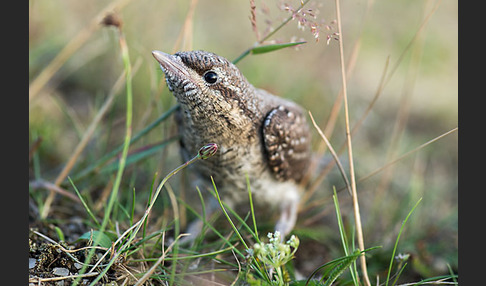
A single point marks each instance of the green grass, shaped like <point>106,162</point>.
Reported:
<point>101,130</point>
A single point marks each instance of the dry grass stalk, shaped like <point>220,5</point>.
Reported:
<point>357,217</point>
<point>334,154</point>
<point>40,280</point>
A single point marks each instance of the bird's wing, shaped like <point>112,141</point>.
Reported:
<point>286,138</point>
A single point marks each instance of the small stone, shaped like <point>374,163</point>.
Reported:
<point>60,271</point>
<point>32,262</point>
<point>78,265</point>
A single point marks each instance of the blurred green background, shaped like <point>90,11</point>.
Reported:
<point>422,94</point>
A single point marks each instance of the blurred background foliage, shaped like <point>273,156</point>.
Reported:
<point>418,103</point>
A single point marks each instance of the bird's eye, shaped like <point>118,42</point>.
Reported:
<point>210,77</point>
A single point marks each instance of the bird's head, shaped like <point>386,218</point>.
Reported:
<point>197,76</point>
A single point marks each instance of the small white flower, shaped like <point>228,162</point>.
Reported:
<point>402,256</point>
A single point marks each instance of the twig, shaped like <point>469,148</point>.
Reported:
<point>37,184</point>
<point>357,217</point>
<point>39,280</point>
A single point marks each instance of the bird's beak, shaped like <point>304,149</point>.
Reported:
<point>171,65</point>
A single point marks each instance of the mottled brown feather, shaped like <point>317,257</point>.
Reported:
<point>286,141</point>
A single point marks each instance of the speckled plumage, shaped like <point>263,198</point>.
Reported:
<point>259,134</point>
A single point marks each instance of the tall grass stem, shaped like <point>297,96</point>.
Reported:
<point>357,216</point>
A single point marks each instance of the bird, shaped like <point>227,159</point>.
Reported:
<point>259,135</point>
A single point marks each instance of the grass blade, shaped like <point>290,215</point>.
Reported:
<point>227,216</point>
<point>273,47</point>
<point>251,208</point>
<point>344,239</point>
<point>396,242</point>
<point>88,210</point>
